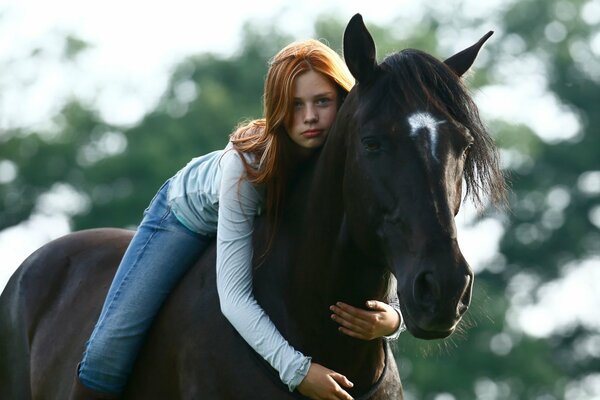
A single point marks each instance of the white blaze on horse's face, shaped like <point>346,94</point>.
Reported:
<point>420,120</point>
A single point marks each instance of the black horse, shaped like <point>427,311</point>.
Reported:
<point>380,198</point>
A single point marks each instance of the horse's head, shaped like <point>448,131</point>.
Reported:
<point>412,136</point>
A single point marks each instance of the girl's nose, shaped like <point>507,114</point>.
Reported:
<point>311,115</point>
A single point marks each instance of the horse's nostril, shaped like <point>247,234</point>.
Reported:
<point>463,303</point>
<point>426,290</point>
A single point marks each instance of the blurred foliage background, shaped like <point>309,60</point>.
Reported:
<point>552,225</point>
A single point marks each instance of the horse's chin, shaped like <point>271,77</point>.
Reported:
<point>421,332</point>
<point>425,334</point>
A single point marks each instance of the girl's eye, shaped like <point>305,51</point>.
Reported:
<point>371,144</point>
<point>323,101</point>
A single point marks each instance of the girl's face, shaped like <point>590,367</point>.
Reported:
<point>315,107</point>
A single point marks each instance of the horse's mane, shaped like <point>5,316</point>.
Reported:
<point>416,80</point>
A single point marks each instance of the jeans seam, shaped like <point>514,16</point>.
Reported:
<point>118,291</point>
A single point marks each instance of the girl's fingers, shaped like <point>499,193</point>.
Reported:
<point>343,395</point>
<point>354,324</point>
<point>379,320</point>
<point>343,314</point>
<point>376,305</point>
<point>359,321</point>
<point>352,333</point>
<point>342,380</point>
<point>355,312</point>
<point>346,324</point>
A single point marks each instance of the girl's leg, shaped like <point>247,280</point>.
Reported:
<point>161,251</point>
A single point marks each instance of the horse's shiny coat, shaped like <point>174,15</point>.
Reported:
<point>366,206</point>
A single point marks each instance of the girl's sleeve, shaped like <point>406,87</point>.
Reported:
<point>238,204</point>
<point>395,303</point>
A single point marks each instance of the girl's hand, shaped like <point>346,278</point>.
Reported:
<point>380,320</point>
<point>323,384</point>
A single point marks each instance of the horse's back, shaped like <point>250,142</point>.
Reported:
<point>49,308</point>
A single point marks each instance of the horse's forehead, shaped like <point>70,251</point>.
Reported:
<point>424,127</point>
<point>421,119</point>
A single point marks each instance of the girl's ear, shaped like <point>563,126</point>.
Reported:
<point>359,50</point>
<point>462,61</point>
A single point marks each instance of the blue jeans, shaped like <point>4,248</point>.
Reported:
<point>161,251</point>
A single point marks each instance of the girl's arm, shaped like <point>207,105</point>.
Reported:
<point>238,204</point>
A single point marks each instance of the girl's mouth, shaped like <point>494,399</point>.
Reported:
<point>312,133</point>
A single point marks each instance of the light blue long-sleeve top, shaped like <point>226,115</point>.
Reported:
<point>210,196</point>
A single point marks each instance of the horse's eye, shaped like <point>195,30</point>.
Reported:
<point>371,144</point>
<point>467,150</point>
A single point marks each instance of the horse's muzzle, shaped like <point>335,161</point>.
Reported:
<point>435,301</point>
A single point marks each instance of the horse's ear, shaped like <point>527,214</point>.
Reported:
<point>359,50</point>
<point>462,61</point>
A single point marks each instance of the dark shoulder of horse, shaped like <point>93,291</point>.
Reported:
<point>379,200</point>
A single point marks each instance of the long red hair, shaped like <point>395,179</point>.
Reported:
<point>266,138</point>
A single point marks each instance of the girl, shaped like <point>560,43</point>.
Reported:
<point>221,193</point>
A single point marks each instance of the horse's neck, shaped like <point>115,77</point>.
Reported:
<point>328,267</point>
<point>329,260</point>
<point>331,269</point>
